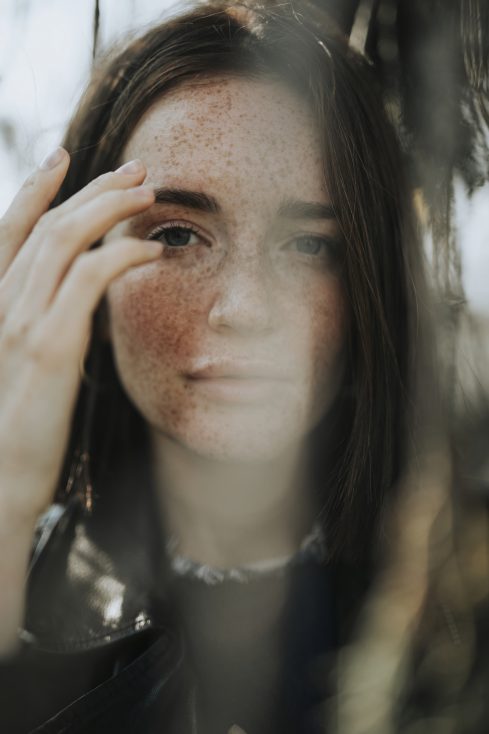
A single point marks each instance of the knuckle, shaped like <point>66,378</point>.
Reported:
<point>85,269</point>
<point>47,352</point>
<point>53,234</point>
<point>14,333</point>
<point>101,181</point>
<point>29,182</point>
<point>58,231</point>
<point>36,349</point>
<point>36,346</point>
<point>46,221</point>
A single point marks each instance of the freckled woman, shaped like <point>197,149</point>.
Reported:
<point>220,470</point>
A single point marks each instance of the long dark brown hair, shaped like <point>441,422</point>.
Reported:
<point>360,459</point>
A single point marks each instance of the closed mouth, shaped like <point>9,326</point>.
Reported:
<point>238,371</point>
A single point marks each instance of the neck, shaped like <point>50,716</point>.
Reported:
<point>227,514</point>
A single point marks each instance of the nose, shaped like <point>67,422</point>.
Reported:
<point>244,296</point>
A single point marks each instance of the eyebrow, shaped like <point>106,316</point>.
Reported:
<point>290,208</point>
<point>188,199</point>
<point>296,209</point>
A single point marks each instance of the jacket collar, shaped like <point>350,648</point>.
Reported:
<point>95,578</point>
<point>100,577</point>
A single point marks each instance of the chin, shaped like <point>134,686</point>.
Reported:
<point>252,436</point>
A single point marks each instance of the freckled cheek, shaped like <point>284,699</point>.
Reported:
<point>328,330</point>
<point>157,319</point>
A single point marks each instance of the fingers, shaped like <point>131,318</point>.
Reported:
<point>89,222</point>
<point>128,175</point>
<point>68,318</point>
<point>13,281</point>
<point>29,204</point>
<point>67,237</point>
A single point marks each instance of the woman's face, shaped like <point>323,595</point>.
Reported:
<point>232,343</point>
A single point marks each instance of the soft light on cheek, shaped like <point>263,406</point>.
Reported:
<point>151,315</point>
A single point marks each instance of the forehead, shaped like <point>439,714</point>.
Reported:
<point>234,134</point>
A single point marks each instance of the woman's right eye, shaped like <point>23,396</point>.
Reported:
<point>175,236</point>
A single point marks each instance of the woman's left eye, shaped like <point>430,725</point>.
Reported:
<point>175,236</point>
<point>315,245</point>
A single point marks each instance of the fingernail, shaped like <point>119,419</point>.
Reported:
<point>130,167</point>
<point>52,159</point>
<point>153,247</point>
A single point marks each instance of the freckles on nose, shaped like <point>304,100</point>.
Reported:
<point>244,281</point>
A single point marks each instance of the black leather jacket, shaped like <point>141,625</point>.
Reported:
<point>101,648</point>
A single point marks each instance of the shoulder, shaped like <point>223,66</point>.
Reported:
<point>94,647</point>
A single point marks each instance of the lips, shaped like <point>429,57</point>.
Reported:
<point>243,369</point>
<point>233,381</point>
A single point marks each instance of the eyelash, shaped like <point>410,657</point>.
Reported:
<point>329,246</point>
<point>168,227</point>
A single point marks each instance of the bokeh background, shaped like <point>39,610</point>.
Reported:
<point>46,49</point>
<point>432,58</point>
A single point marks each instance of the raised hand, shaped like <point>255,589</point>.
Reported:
<point>50,285</point>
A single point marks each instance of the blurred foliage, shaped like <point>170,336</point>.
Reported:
<point>421,660</point>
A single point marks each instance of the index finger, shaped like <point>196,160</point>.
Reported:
<point>31,201</point>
